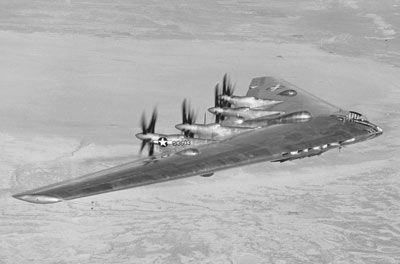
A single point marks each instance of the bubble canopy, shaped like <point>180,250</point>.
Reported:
<point>356,116</point>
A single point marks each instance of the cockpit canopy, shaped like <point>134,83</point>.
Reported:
<point>356,116</point>
<point>351,116</point>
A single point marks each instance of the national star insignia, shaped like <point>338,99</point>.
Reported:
<point>162,142</point>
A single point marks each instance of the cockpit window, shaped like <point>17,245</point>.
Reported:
<point>356,116</point>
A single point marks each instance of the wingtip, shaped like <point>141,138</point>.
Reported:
<point>37,198</point>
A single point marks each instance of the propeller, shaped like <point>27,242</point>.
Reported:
<point>227,89</point>
<point>148,129</point>
<point>188,117</point>
<point>217,102</point>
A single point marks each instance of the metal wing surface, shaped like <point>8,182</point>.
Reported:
<point>264,144</point>
<point>294,98</point>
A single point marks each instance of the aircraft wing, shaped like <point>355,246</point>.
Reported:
<point>294,98</point>
<point>264,144</point>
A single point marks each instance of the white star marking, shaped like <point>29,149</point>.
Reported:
<point>276,87</point>
<point>163,142</point>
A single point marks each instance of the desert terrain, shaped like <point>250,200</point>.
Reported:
<point>76,75</point>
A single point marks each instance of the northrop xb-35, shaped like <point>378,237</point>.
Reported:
<point>275,121</point>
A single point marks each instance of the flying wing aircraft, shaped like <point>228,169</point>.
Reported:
<point>302,125</point>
